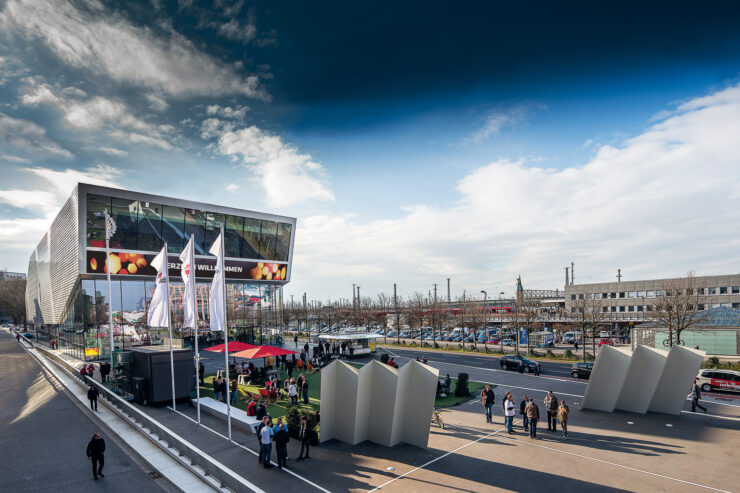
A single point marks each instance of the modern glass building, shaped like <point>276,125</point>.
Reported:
<point>67,292</point>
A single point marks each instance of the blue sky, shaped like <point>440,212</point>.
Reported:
<point>413,142</point>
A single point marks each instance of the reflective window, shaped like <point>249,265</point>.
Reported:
<point>632,294</point>
<point>195,224</point>
<point>268,239</point>
<point>250,245</point>
<point>650,294</point>
<point>621,294</point>
<point>711,290</point>
<point>96,204</point>
<point>722,290</point>
<point>641,294</point>
<point>283,242</point>
<point>150,227</point>
<point>213,229</point>
<point>173,228</point>
<point>126,216</point>
<point>735,289</point>
<point>233,230</point>
<point>87,293</point>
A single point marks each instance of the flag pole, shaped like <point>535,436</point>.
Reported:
<point>195,328</point>
<point>169,321</point>
<point>108,234</point>
<point>226,334</point>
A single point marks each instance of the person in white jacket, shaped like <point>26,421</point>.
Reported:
<point>510,412</point>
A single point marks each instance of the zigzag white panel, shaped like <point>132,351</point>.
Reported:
<point>681,367</point>
<point>645,369</point>
<point>377,403</point>
<point>607,379</point>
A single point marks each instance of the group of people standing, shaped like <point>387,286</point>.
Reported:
<point>557,411</point>
<point>267,433</point>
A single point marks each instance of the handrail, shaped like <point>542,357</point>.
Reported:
<point>223,474</point>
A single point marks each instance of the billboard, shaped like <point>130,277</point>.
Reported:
<point>139,264</point>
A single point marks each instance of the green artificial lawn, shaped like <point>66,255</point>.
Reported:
<point>275,410</point>
<point>280,409</point>
<point>474,388</point>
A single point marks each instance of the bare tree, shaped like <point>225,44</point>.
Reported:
<point>416,306</point>
<point>13,299</point>
<point>589,314</point>
<point>529,311</point>
<point>677,306</point>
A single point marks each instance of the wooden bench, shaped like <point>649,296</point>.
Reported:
<point>239,417</point>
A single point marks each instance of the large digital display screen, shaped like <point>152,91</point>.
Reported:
<point>139,264</point>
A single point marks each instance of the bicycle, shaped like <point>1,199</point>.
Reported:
<point>437,418</point>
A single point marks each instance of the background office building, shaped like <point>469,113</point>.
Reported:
<point>67,293</point>
<point>634,300</point>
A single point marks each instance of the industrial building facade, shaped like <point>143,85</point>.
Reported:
<point>634,300</point>
<point>67,292</point>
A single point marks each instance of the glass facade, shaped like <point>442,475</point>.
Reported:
<point>253,312</point>
<point>145,226</point>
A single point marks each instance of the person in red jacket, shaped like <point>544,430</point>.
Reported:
<point>252,408</point>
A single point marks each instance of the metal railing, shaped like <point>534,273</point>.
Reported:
<point>184,450</point>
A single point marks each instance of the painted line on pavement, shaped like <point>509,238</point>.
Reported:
<point>711,415</point>
<point>616,465</point>
<point>435,460</point>
<point>308,481</point>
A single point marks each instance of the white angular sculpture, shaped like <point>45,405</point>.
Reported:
<point>642,380</point>
<point>645,369</point>
<point>377,403</point>
<point>606,380</point>
<point>681,367</point>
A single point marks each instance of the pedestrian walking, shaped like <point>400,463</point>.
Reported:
<point>551,407</point>
<point>533,415</point>
<point>92,395</point>
<point>96,453</point>
<point>201,372</point>
<point>90,370</point>
<point>487,398</point>
<point>304,390</point>
<point>105,370</point>
<point>522,408</point>
<point>695,399</point>
<point>510,412</point>
<point>265,435</point>
<point>295,340</point>
<point>575,345</point>
<point>293,392</point>
<point>281,444</point>
<point>563,411</point>
<point>304,435</point>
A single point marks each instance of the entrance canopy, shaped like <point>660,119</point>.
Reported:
<point>233,347</point>
<point>262,352</point>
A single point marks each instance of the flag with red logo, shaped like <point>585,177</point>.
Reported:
<point>159,307</point>
<point>187,271</point>
<point>216,304</point>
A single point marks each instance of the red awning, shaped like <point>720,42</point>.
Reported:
<point>233,347</point>
<point>262,352</point>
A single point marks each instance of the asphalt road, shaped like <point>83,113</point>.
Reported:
<point>44,435</point>
<point>555,376</point>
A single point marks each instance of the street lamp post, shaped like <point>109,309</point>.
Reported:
<point>110,230</point>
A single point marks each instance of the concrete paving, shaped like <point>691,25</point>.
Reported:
<point>44,435</point>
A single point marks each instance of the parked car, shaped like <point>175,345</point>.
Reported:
<point>508,342</point>
<point>512,362</point>
<point>493,341</point>
<point>581,369</point>
<point>715,379</point>
<point>605,342</point>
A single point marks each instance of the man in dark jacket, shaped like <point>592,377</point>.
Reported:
<point>487,398</point>
<point>201,372</point>
<point>695,400</point>
<point>92,395</point>
<point>104,371</point>
<point>304,389</point>
<point>95,453</point>
<point>522,407</point>
<point>551,406</point>
<point>261,411</point>
<point>281,445</point>
<point>304,435</point>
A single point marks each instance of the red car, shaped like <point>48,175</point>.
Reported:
<point>605,342</point>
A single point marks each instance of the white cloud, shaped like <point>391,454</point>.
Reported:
<point>112,151</point>
<point>27,138</point>
<point>104,42</point>
<point>658,204</point>
<point>14,159</point>
<point>238,112</point>
<point>496,120</point>
<point>286,176</point>
<point>236,30</point>
<point>156,103</point>
<point>99,113</point>
<point>232,187</point>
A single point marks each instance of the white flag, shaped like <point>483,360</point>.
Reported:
<point>159,312</point>
<point>187,272</point>
<point>216,304</point>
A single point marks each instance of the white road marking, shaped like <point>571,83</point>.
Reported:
<point>308,481</point>
<point>435,460</point>
<point>712,415</point>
